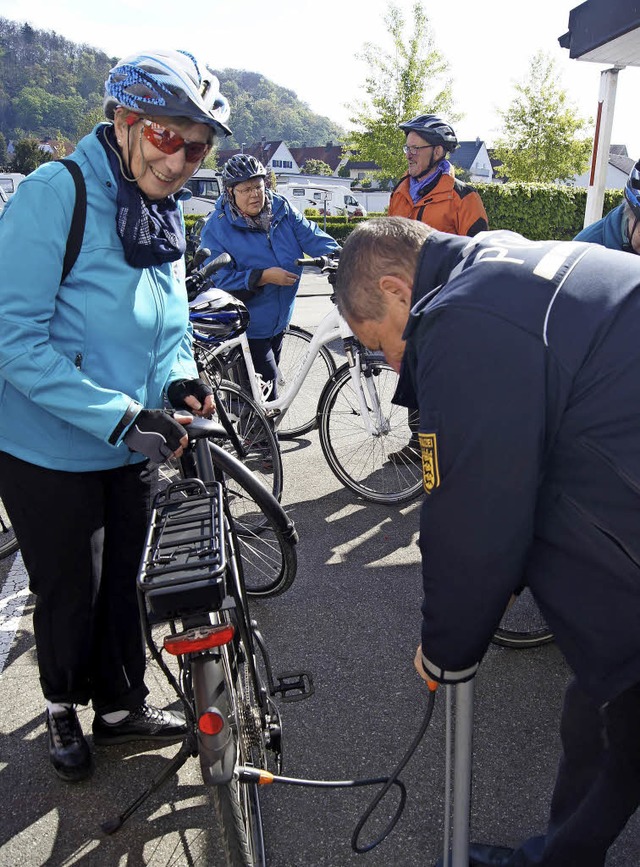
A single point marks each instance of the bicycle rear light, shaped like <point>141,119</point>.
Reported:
<point>199,638</point>
<point>211,722</point>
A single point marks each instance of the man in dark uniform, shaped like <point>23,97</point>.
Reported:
<point>523,360</point>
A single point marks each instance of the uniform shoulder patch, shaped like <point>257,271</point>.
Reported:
<point>430,465</point>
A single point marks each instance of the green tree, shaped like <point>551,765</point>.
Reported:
<point>543,138</point>
<point>3,152</point>
<point>28,155</point>
<point>409,80</point>
<point>316,167</point>
<point>87,122</point>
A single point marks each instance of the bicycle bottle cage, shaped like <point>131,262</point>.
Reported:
<point>183,564</point>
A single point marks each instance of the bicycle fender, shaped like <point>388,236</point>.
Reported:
<point>217,753</point>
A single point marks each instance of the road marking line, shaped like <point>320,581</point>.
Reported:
<point>13,597</point>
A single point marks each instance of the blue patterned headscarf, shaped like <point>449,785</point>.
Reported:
<point>151,231</point>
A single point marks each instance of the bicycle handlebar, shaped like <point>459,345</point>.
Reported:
<point>197,277</point>
<point>326,263</point>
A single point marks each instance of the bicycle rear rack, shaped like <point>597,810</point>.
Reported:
<point>184,560</point>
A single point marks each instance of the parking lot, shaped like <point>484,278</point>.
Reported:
<point>352,619</point>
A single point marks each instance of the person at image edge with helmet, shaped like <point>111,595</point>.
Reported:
<point>88,357</point>
<point>620,228</point>
<point>430,193</point>
<point>264,235</point>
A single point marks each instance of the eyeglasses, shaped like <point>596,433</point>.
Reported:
<point>169,142</point>
<point>413,150</point>
<point>253,188</point>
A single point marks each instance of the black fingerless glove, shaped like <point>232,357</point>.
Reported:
<point>182,388</point>
<point>155,434</point>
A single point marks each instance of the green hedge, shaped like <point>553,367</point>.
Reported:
<point>537,211</point>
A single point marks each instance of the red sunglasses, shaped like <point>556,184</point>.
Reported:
<point>170,142</point>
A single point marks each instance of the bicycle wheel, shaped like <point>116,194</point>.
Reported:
<point>523,625</point>
<point>266,536</point>
<point>255,433</point>
<point>301,416</point>
<point>237,804</point>
<point>8,541</point>
<point>357,457</point>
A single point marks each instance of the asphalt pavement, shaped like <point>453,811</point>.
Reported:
<point>352,619</point>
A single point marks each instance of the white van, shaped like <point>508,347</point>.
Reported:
<point>332,199</point>
<point>9,182</point>
<point>206,187</point>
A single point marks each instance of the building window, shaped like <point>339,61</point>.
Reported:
<point>286,164</point>
<point>277,164</point>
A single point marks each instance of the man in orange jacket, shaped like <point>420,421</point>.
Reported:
<point>430,193</point>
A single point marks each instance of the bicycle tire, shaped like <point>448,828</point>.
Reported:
<point>522,626</point>
<point>356,457</point>
<point>301,415</point>
<point>256,434</point>
<point>267,537</point>
<point>8,541</point>
<point>237,805</point>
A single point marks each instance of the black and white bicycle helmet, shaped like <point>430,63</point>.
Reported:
<point>632,190</point>
<point>433,130</point>
<point>167,83</point>
<point>217,316</point>
<point>241,167</point>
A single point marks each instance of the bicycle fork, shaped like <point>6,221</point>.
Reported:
<point>375,422</point>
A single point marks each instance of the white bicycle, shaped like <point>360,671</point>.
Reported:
<point>351,405</point>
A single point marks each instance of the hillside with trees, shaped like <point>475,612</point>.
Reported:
<point>51,87</point>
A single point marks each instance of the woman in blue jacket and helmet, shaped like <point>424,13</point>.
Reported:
<point>620,228</point>
<point>264,235</point>
<point>86,362</point>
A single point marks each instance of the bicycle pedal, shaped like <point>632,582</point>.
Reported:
<point>294,686</point>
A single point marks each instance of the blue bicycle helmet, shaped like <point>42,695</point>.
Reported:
<point>632,190</point>
<point>241,167</point>
<point>217,316</point>
<point>170,84</point>
<point>433,130</point>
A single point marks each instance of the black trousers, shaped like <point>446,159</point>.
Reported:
<point>597,788</point>
<point>81,536</point>
<point>265,354</point>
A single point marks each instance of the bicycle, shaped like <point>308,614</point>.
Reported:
<point>359,426</point>
<point>191,590</point>
<point>8,541</point>
<point>522,625</point>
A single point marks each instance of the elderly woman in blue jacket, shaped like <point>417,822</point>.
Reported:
<point>264,236</point>
<point>87,361</point>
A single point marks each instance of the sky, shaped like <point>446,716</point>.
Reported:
<point>313,49</point>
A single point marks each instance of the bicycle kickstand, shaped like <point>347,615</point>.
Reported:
<point>187,749</point>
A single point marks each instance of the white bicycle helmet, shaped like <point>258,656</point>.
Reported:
<point>217,316</point>
<point>168,83</point>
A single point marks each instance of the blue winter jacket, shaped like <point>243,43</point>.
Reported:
<point>290,236</point>
<point>73,357</point>
<point>608,232</point>
<point>524,361</point>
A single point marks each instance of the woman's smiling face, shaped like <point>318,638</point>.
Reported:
<point>158,174</point>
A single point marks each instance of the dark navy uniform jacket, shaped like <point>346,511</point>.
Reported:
<point>523,359</point>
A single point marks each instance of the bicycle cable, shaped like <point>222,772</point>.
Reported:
<point>263,777</point>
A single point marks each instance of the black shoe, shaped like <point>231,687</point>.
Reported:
<point>410,454</point>
<point>68,750</point>
<point>481,854</point>
<point>146,723</point>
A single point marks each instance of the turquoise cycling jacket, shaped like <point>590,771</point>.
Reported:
<point>73,357</point>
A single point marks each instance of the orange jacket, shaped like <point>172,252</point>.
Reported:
<point>451,206</point>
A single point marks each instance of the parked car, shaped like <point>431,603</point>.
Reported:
<point>9,182</point>
<point>4,198</point>
<point>205,186</point>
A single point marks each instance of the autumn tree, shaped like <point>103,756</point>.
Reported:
<point>543,136</point>
<point>410,79</point>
